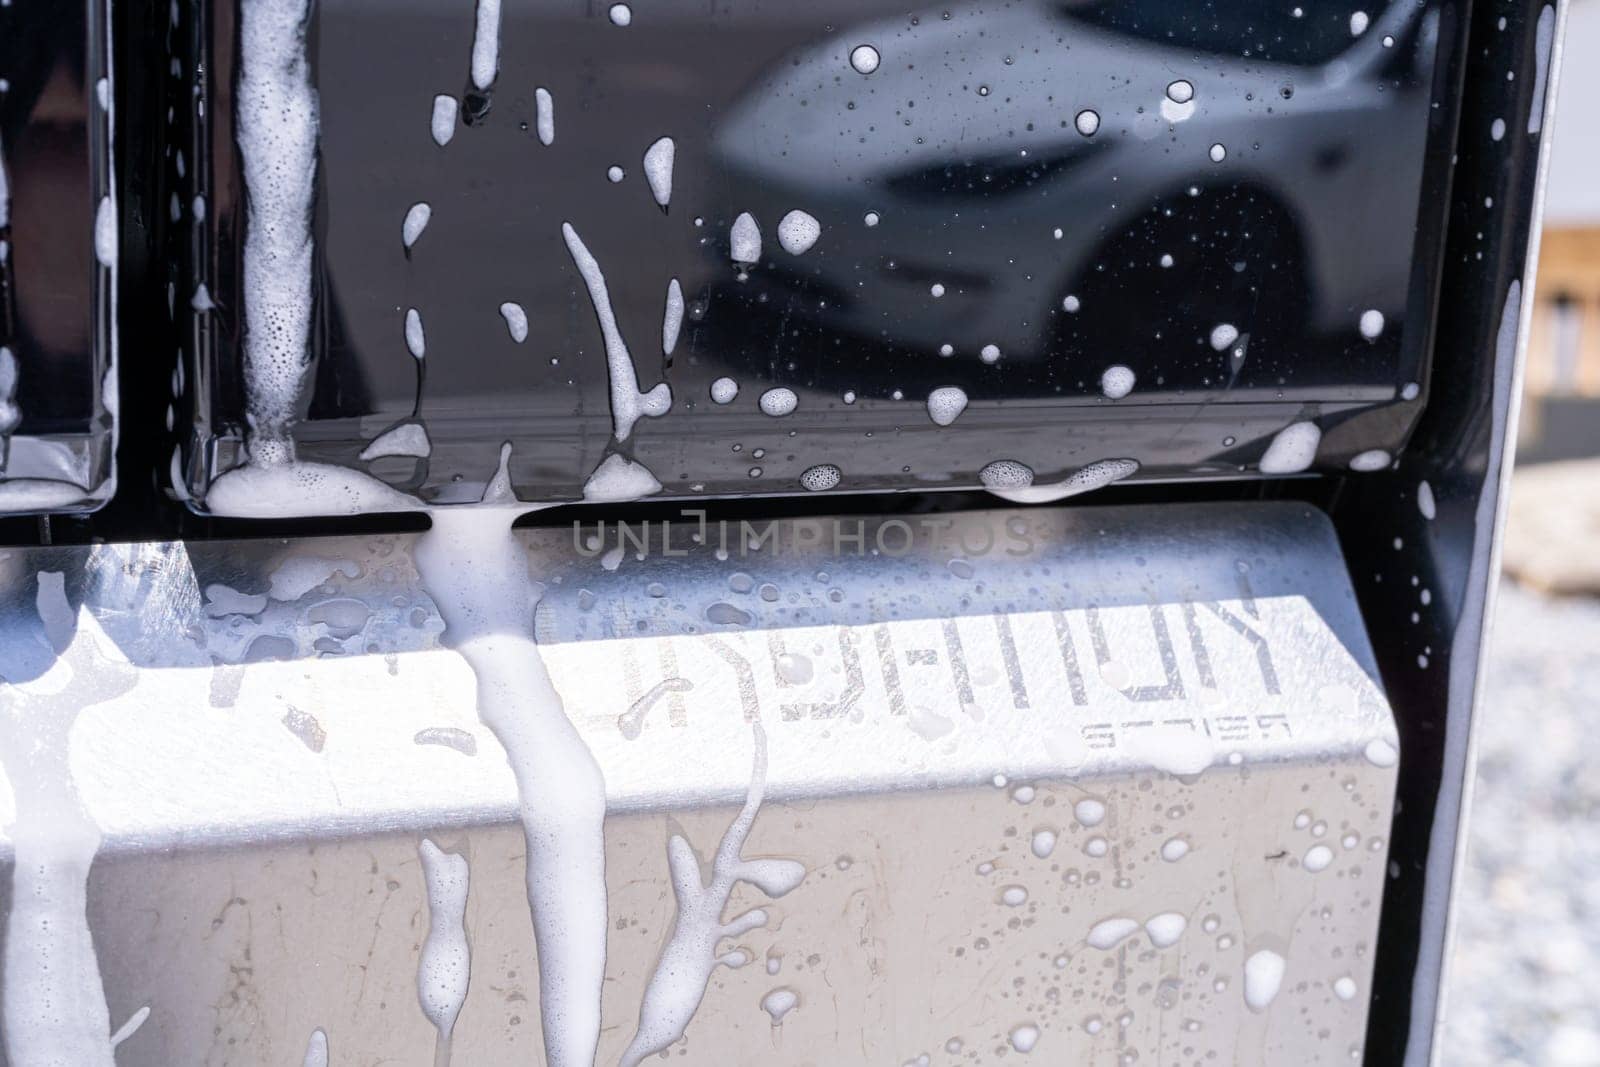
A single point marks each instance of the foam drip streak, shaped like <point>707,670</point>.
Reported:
<point>679,981</point>
<point>52,1002</point>
<point>477,573</point>
<point>277,137</point>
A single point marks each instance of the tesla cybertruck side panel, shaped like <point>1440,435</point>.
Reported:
<point>1004,757</point>
<point>763,247</point>
<point>1423,537</point>
<point>58,258</point>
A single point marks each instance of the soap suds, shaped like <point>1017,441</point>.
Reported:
<point>545,115</point>
<point>798,231</point>
<point>445,964</point>
<point>1263,975</point>
<point>476,571</point>
<point>516,320</point>
<point>681,975</point>
<point>822,477</point>
<point>1109,933</point>
<point>1292,450</point>
<point>780,1002</point>
<point>1116,382</point>
<point>406,439</point>
<point>672,317</point>
<point>779,402</point>
<point>619,479</point>
<point>946,403</point>
<point>52,1001</point>
<point>1165,929</point>
<point>723,390</point>
<point>744,240</point>
<point>628,405</point>
<point>417,216</point>
<point>443,122</point>
<point>316,1050</point>
<point>1096,475</point>
<point>416,341</point>
<point>277,136</point>
<point>486,44</point>
<point>658,161</point>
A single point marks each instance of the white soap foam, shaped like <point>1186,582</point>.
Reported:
<point>10,413</point>
<point>1180,91</point>
<point>672,317</point>
<point>1344,987</point>
<point>1174,749</point>
<point>1497,130</point>
<point>5,190</point>
<point>821,477</point>
<point>105,232</point>
<point>864,58</point>
<point>658,161</point>
<point>544,115</point>
<point>1087,122</point>
<point>1116,382</point>
<point>1425,501</point>
<point>1317,858</point>
<point>744,239</point>
<point>989,353</point>
<point>1089,812</point>
<point>416,220</point>
<point>1381,753</point>
<point>516,320</point>
<point>1166,929</point>
<point>1109,933</point>
<point>1013,896</point>
<point>621,15</point>
<point>443,122</point>
<point>1292,450</point>
<point>1263,975</point>
<point>780,1002</point>
<point>723,390</point>
<point>1005,474</point>
<point>1174,849</point>
<point>1358,23</point>
<point>1071,303</point>
<point>614,174</point>
<point>445,964</point>
<point>946,403</point>
<point>406,439</point>
<point>52,1000</point>
<point>1044,843</point>
<point>618,479</point>
<point>1544,40</point>
<point>1374,459</point>
<point>276,130</point>
<point>476,571</point>
<point>486,44</point>
<point>1024,1038</point>
<point>1223,335</point>
<point>1218,153</point>
<point>273,491</point>
<point>798,231</point>
<point>131,1027</point>
<point>628,405</point>
<point>1371,324</point>
<point>316,1050</point>
<point>201,300</point>
<point>1094,476</point>
<point>416,341</point>
<point>779,402</point>
<point>682,972</point>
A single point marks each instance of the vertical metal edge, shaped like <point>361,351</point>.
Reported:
<point>1450,826</point>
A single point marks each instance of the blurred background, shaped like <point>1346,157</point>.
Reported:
<point>1527,947</point>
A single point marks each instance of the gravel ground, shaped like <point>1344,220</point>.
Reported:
<point>1522,985</point>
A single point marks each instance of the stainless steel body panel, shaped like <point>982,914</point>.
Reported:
<point>260,788</point>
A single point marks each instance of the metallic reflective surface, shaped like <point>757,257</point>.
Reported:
<point>57,394</point>
<point>296,723</point>
<point>951,168</point>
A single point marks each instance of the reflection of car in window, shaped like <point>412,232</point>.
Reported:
<point>1242,196</point>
